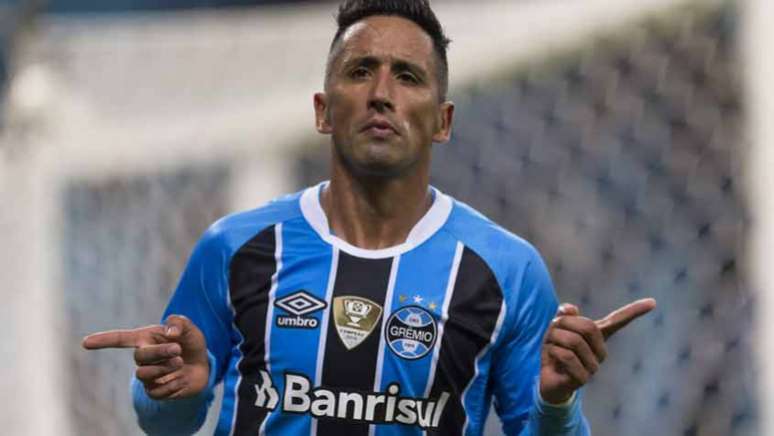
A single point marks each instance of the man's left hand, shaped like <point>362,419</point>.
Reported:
<point>574,347</point>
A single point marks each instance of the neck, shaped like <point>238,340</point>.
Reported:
<point>375,213</point>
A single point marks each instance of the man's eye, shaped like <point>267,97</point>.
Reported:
<point>359,73</point>
<point>408,77</point>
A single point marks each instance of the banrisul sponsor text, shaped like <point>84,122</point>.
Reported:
<point>376,407</point>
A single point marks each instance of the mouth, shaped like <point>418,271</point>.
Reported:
<point>379,128</point>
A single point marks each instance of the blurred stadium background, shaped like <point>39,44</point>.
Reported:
<point>627,140</point>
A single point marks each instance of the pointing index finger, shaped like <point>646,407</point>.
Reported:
<point>619,318</point>
<point>120,338</point>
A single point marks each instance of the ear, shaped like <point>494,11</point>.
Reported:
<point>322,123</point>
<point>446,115</point>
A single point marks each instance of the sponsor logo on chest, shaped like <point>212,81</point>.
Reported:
<point>376,407</point>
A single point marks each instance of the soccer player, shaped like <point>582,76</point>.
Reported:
<point>370,304</point>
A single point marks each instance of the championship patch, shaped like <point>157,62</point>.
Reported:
<point>355,319</point>
<point>411,332</point>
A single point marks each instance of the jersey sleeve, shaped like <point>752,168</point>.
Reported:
<point>202,296</point>
<point>533,304</point>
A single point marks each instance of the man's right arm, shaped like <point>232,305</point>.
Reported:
<point>179,363</point>
<point>173,382</point>
<point>180,416</point>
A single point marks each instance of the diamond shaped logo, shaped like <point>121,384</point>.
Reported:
<point>300,303</point>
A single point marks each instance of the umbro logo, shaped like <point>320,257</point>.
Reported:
<point>300,305</point>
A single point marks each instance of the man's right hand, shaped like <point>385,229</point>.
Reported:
<point>171,359</point>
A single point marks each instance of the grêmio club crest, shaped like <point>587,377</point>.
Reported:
<point>355,319</point>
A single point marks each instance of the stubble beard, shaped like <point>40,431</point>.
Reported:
<point>376,169</point>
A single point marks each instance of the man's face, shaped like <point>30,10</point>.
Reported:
<point>381,103</point>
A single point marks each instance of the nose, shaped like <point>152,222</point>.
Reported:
<point>380,97</point>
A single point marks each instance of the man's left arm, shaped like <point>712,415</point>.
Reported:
<point>532,305</point>
<point>548,355</point>
<point>572,352</point>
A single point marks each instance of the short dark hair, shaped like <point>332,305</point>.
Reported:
<point>418,11</point>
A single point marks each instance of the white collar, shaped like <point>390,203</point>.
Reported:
<point>430,223</point>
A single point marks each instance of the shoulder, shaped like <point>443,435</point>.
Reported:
<point>517,265</point>
<point>501,249</point>
<point>232,231</point>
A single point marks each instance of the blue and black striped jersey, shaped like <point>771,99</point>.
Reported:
<point>313,336</point>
